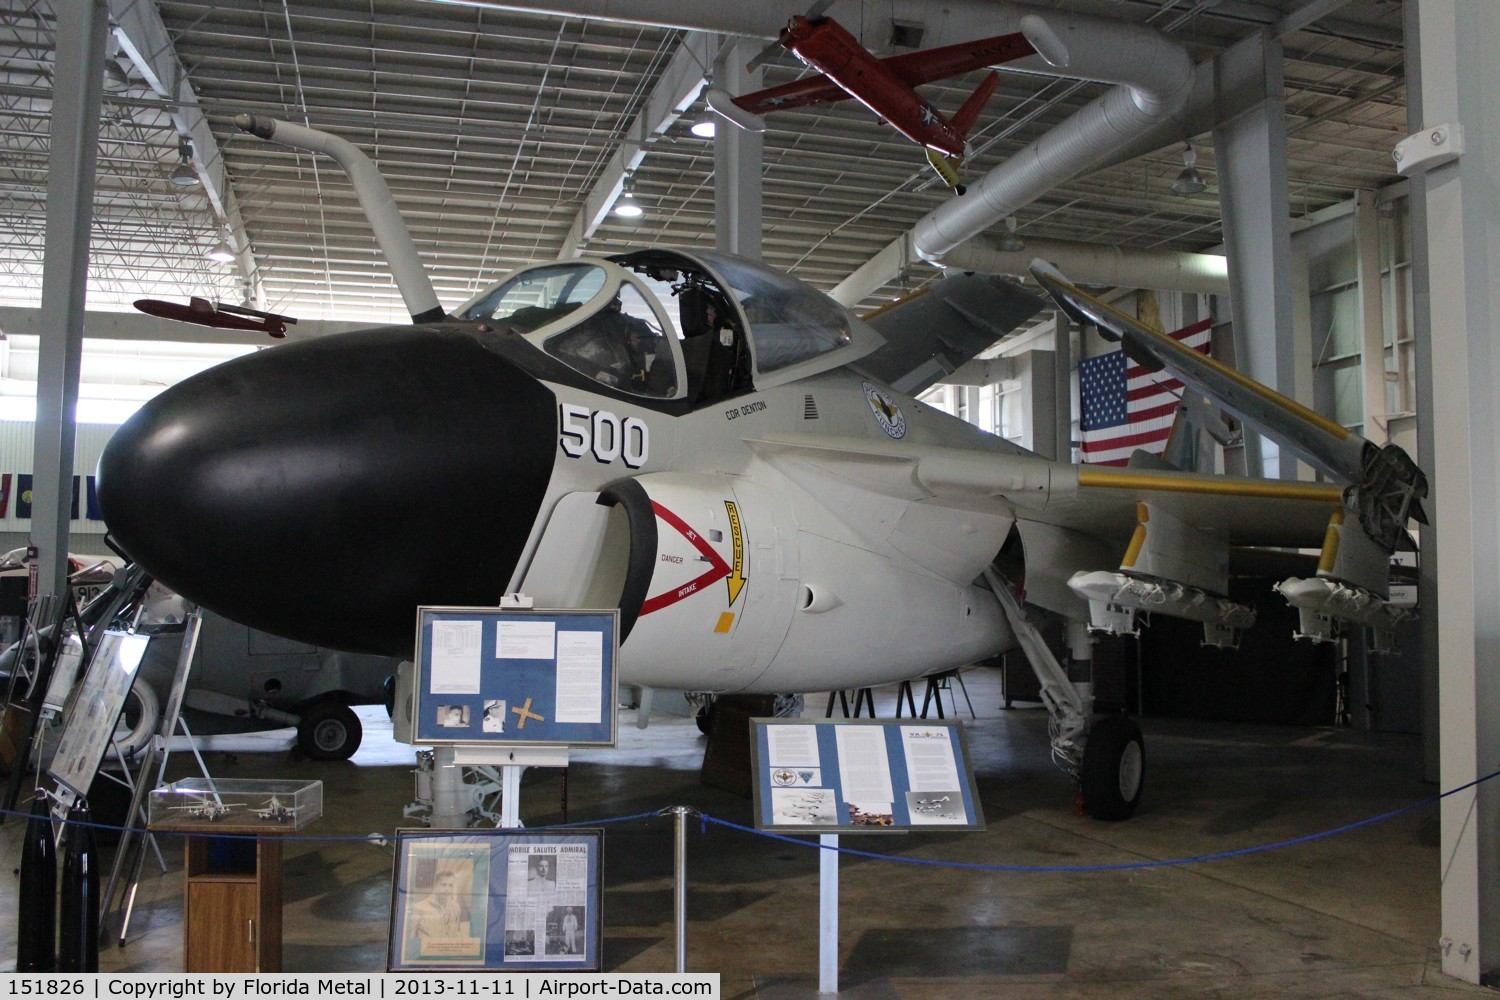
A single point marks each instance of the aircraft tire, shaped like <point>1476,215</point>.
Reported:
<point>329,730</point>
<point>142,705</point>
<point>1114,768</point>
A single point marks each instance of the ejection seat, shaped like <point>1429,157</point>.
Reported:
<point>708,361</point>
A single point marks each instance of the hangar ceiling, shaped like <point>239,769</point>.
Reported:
<point>493,126</point>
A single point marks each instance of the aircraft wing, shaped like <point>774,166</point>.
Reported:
<point>817,89</point>
<point>1096,500</point>
<point>1081,528</point>
<point>1388,488</point>
<point>927,65</point>
<point>912,68</point>
<point>931,333</point>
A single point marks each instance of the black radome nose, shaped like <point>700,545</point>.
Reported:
<point>323,490</point>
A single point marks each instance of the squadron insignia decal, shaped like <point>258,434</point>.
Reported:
<point>887,413</point>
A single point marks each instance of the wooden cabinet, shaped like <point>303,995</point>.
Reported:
<point>232,904</point>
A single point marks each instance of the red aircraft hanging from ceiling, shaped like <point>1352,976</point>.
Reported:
<point>885,86</point>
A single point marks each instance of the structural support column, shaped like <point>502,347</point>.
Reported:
<point>1372,316</point>
<point>1250,151</point>
<point>1062,385</point>
<point>1458,236</point>
<point>1038,376</point>
<point>737,160</point>
<point>77,88</point>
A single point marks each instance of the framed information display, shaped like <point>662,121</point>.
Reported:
<point>89,723</point>
<point>862,776</point>
<point>496,900</point>
<point>512,677</point>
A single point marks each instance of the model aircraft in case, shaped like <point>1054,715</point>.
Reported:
<point>740,465</point>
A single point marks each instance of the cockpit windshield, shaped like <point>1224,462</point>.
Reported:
<point>537,296</point>
<point>621,345</point>
<point>790,321</point>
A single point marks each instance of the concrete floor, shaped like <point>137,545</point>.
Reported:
<point>1355,915</point>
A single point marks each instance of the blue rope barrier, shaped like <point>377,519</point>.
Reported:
<point>368,838</point>
<point>1118,866</point>
<point>706,819</point>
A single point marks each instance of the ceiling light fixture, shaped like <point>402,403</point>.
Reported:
<point>627,207</point>
<point>184,174</point>
<point>221,252</point>
<point>704,127</point>
<point>1010,242</point>
<point>1189,181</point>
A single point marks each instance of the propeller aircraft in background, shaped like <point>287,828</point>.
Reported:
<point>737,463</point>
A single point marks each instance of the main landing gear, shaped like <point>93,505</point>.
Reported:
<point>1105,755</point>
<point>1114,768</point>
<point>780,706</point>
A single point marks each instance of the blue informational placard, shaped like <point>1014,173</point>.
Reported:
<point>862,776</point>
<point>496,900</point>
<point>509,677</point>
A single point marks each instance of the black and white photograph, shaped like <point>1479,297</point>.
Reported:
<point>565,931</point>
<point>804,807</point>
<point>453,716</point>
<point>541,873</point>
<point>493,720</point>
<point>945,808</point>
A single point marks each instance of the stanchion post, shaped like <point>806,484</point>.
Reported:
<point>36,940</point>
<point>78,927</point>
<point>680,890</point>
<point>828,913</point>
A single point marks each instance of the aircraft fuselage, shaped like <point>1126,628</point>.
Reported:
<point>324,490</point>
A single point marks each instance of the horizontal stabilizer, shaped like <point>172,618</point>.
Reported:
<point>1388,485</point>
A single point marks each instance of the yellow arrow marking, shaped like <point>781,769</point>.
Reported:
<point>736,578</point>
<point>525,713</point>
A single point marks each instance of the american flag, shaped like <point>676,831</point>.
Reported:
<point>1126,407</point>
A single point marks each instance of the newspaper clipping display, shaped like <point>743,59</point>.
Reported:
<point>546,911</point>
<point>495,900</point>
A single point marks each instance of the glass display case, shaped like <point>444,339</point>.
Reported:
<point>262,803</point>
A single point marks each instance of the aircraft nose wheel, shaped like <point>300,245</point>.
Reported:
<point>1114,768</point>
<point>329,730</point>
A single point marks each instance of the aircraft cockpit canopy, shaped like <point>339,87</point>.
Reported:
<point>700,326</point>
<point>789,322</point>
<point>594,317</point>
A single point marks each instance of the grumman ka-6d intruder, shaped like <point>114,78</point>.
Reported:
<point>734,461</point>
